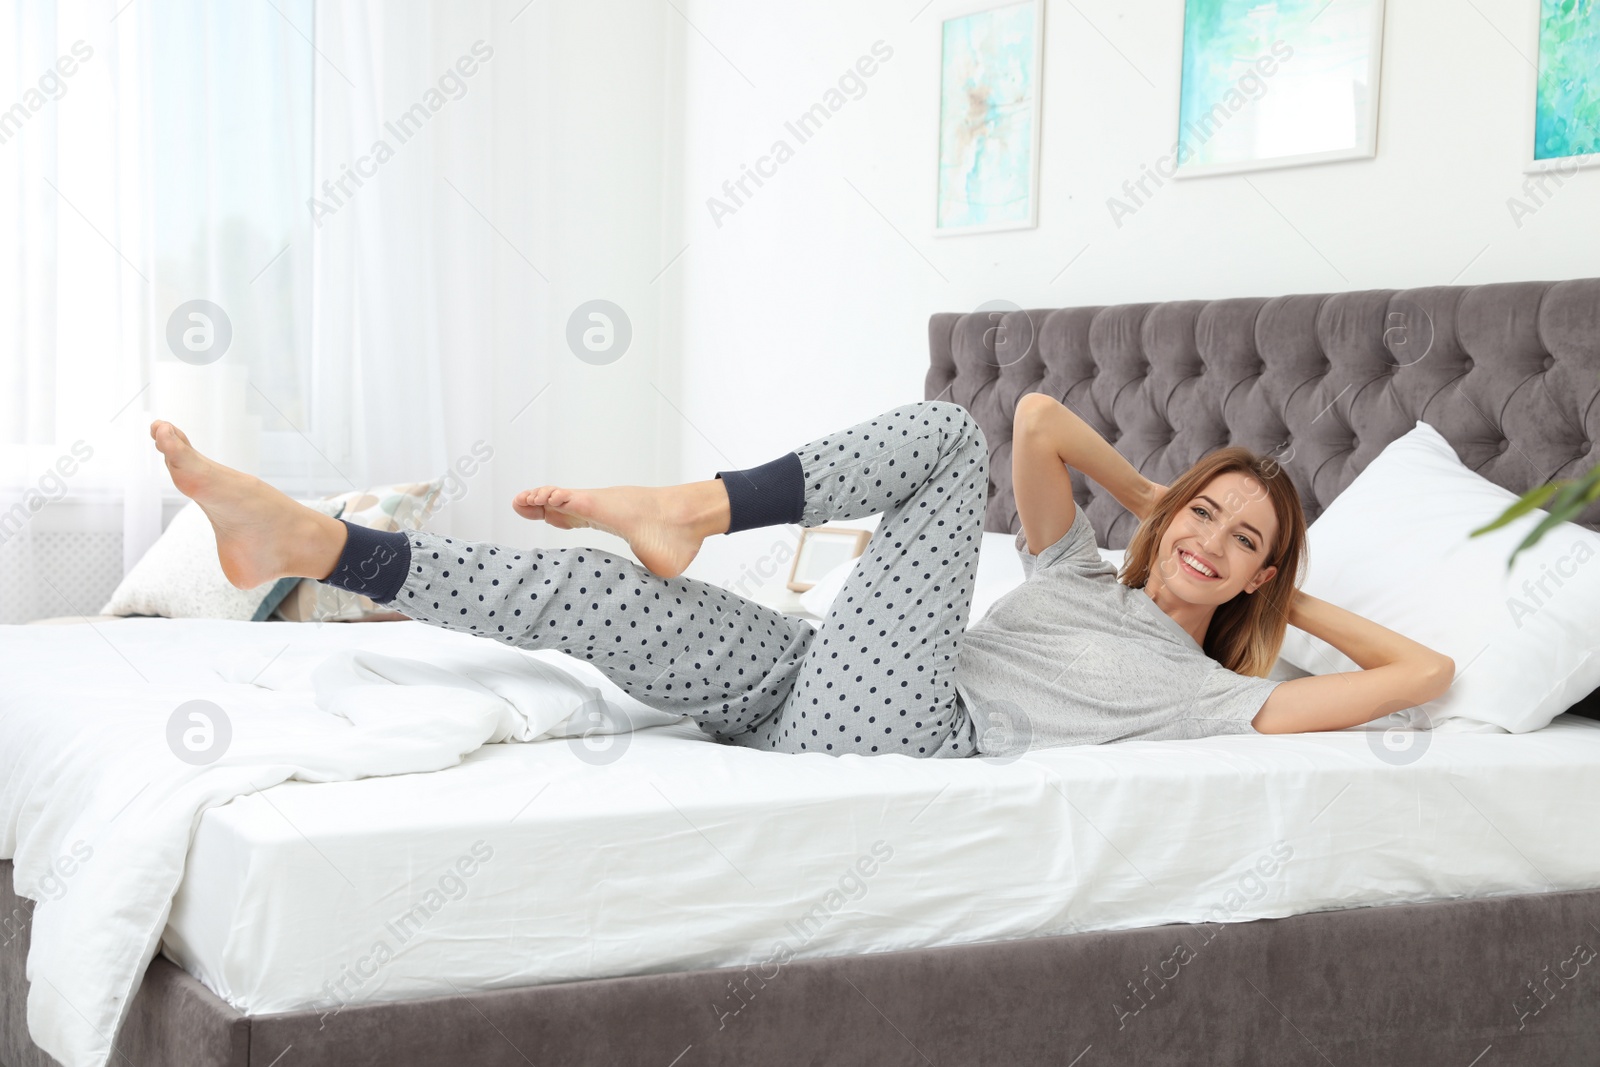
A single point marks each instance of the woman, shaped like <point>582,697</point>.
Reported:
<point>1070,657</point>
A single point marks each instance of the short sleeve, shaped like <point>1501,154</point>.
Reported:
<point>1226,702</point>
<point>1076,546</point>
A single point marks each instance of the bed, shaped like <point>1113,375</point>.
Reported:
<point>1229,900</point>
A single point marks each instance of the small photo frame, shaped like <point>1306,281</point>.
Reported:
<point>821,549</point>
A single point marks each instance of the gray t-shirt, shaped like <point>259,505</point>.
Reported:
<point>1074,657</point>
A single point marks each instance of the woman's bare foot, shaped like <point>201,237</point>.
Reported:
<point>663,526</point>
<point>262,535</point>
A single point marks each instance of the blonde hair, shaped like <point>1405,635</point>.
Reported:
<point>1247,631</point>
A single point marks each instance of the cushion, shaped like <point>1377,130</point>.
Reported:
<point>390,508</point>
<point>1393,547</point>
<point>181,577</point>
<point>999,572</point>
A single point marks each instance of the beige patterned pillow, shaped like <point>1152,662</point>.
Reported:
<point>389,508</point>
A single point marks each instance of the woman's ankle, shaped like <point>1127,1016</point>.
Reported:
<point>706,507</point>
<point>320,544</point>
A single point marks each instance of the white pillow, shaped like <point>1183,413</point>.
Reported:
<point>181,577</point>
<point>999,572</point>
<point>1393,548</point>
<point>819,597</point>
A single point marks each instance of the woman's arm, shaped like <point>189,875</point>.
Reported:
<point>1046,439</point>
<point>1396,673</point>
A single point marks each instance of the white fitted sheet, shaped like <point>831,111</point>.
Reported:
<point>684,854</point>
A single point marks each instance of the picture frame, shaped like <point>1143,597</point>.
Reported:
<point>821,549</point>
<point>1349,56</point>
<point>1001,42</point>
<point>1543,56</point>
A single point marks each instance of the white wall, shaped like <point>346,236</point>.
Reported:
<point>584,112</point>
<point>591,160</point>
<point>807,309</point>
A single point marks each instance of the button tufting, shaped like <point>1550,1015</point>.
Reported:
<point>1549,361</point>
<point>1503,445</point>
<point>1467,363</point>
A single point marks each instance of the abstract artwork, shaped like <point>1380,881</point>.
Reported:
<point>989,119</point>
<point>1277,83</point>
<point>1566,108</point>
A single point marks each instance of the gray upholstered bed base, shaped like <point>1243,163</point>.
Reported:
<point>1509,374</point>
<point>1417,985</point>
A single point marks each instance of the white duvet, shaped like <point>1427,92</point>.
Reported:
<point>98,808</point>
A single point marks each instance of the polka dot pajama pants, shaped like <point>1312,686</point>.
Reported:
<point>876,677</point>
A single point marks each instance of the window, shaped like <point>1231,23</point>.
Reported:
<point>172,164</point>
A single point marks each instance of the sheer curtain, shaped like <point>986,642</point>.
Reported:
<point>75,297</point>
<point>404,100</point>
<point>406,151</point>
<point>193,226</point>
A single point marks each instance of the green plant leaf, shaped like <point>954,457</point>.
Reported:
<point>1532,499</point>
<point>1561,511</point>
<point>1570,496</point>
<point>1566,497</point>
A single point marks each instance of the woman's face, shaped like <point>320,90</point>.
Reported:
<point>1218,543</point>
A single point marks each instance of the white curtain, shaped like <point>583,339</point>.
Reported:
<point>404,151</point>
<point>76,289</point>
<point>155,155</point>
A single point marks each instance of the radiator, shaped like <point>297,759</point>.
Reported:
<point>50,573</point>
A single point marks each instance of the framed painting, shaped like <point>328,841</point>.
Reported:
<point>989,77</point>
<point>1277,83</point>
<point>1566,88</point>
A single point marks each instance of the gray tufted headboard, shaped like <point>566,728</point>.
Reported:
<point>1508,373</point>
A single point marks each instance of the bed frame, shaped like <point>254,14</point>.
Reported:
<point>1509,374</point>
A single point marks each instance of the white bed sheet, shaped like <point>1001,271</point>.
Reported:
<point>684,854</point>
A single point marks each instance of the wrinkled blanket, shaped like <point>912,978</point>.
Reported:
<point>110,753</point>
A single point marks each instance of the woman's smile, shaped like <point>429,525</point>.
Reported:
<point>1196,567</point>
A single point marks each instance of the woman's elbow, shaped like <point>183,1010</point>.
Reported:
<point>1438,675</point>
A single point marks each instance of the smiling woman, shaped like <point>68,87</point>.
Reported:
<point>1212,569</point>
<point>1229,525</point>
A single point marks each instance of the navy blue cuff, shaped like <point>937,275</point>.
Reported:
<point>374,563</point>
<point>768,495</point>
